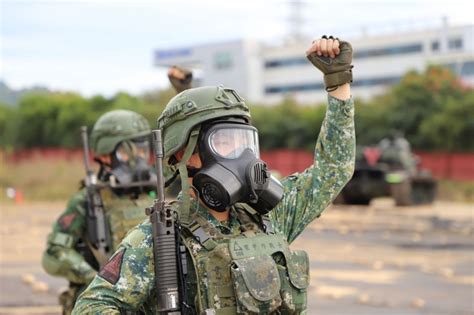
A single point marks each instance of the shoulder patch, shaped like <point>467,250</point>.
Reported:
<point>111,270</point>
<point>66,220</point>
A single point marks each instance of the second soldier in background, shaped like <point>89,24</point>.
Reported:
<point>81,240</point>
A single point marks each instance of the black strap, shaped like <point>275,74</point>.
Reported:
<point>262,221</point>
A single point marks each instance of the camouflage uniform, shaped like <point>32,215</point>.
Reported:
<point>260,284</point>
<point>73,257</point>
<point>69,253</point>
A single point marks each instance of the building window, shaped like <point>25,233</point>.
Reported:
<point>455,43</point>
<point>451,66</point>
<point>223,60</point>
<point>172,53</point>
<point>285,62</point>
<point>376,81</point>
<point>320,86</point>
<point>435,45</point>
<point>294,88</point>
<point>389,51</point>
<point>467,68</point>
<point>365,53</point>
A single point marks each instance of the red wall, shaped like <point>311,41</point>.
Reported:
<point>287,162</point>
<point>456,166</point>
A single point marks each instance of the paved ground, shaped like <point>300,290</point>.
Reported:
<point>364,260</point>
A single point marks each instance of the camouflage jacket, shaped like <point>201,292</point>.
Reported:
<point>68,254</point>
<point>127,282</point>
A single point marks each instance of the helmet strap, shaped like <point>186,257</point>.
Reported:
<point>184,207</point>
<point>102,174</point>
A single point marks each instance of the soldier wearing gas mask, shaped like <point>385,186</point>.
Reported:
<point>120,142</point>
<point>236,221</point>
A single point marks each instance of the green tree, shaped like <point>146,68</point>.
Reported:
<point>433,108</point>
<point>7,123</point>
<point>50,120</point>
<point>452,128</point>
<point>371,121</point>
<point>417,97</point>
<point>154,102</point>
<point>287,124</point>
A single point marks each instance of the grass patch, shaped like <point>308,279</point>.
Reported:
<point>456,190</point>
<point>41,179</point>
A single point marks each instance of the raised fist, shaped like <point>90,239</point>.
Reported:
<point>333,57</point>
<point>180,78</point>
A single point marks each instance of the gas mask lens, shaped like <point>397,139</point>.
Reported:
<point>231,142</point>
<point>129,150</point>
<point>130,166</point>
<point>142,149</point>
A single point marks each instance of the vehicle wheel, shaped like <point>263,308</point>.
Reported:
<point>430,192</point>
<point>356,200</point>
<point>339,199</point>
<point>402,193</point>
<point>424,192</point>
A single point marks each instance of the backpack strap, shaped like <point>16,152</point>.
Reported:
<point>197,231</point>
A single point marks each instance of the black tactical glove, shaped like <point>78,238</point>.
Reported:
<point>180,78</point>
<point>338,70</point>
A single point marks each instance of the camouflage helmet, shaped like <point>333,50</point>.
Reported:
<point>192,107</point>
<point>115,126</point>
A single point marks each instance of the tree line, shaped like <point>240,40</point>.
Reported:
<point>433,109</point>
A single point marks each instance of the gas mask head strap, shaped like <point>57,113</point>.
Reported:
<point>185,204</point>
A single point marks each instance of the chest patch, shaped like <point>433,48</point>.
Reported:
<point>256,246</point>
<point>111,270</point>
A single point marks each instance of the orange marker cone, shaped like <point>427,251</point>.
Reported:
<point>19,197</point>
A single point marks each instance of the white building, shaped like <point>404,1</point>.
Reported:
<point>264,73</point>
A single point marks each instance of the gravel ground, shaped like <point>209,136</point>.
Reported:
<point>364,260</point>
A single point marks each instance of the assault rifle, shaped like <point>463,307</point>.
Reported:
<point>165,242</point>
<point>97,228</point>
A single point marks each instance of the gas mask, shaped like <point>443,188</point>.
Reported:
<point>232,170</point>
<point>130,171</point>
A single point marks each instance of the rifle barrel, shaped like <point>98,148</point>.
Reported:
<point>85,145</point>
<point>158,146</point>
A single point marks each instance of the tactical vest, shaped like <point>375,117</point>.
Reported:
<point>254,272</point>
<point>123,213</point>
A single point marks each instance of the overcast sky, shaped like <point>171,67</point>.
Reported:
<point>101,47</point>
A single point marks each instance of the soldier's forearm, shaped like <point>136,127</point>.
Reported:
<point>93,306</point>
<point>335,148</point>
<point>342,93</point>
<point>67,263</point>
<point>334,154</point>
<point>309,193</point>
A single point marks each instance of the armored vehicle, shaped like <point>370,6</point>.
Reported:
<point>389,169</point>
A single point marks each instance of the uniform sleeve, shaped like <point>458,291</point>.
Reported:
<point>126,282</point>
<point>307,194</point>
<point>60,257</point>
